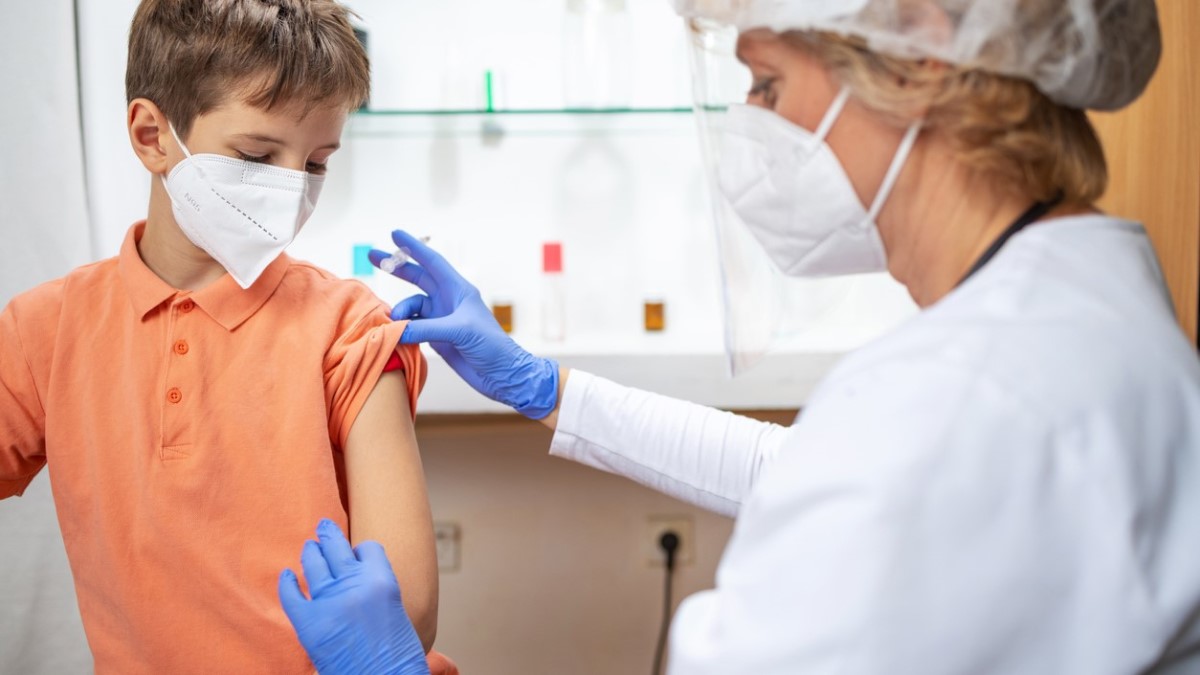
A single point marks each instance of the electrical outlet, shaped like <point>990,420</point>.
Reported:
<point>448,537</point>
<point>656,526</point>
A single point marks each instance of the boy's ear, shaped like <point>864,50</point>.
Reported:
<point>147,129</point>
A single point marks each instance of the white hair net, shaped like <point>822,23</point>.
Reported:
<point>1089,54</point>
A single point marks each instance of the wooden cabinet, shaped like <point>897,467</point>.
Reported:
<point>1153,150</point>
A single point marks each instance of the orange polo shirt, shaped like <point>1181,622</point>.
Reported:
<point>193,441</point>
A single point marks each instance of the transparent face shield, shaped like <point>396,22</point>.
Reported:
<point>764,310</point>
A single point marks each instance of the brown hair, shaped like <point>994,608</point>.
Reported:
<point>1001,126</point>
<point>190,56</point>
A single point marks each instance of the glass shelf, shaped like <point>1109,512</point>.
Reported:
<point>494,125</point>
<point>524,111</point>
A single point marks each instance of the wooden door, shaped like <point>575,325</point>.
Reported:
<point>1153,150</point>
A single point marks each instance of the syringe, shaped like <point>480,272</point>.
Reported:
<point>394,261</point>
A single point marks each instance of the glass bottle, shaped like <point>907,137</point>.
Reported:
<point>503,311</point>
<point>597,63</point>
<point>554,301</point>
<point>654,311</point>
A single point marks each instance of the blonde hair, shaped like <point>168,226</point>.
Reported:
<point>1002,127</point>
<point>190,56</point>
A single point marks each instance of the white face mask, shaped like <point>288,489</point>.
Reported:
<point>243,214</point>
<point>788,187</point>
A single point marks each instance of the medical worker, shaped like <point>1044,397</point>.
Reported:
<point>1008,482</point>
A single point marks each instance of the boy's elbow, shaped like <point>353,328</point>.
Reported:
<point>424,620</point>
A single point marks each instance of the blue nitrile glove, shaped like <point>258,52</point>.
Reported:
<point>355,623</point>
<point>460,327</point>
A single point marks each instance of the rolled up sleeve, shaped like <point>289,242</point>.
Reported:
<point>355,362</point>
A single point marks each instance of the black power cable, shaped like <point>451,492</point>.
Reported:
<point>669,543</point>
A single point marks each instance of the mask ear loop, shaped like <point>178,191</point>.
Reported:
<point>832,115</point>
<point>898,161</point>
<point>893,173</point>
<point>186,154</point>
<point>175,135</point>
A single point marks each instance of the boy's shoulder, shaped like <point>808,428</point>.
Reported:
<point>312,286</point>
<point>42,304</point>
<point>305,275</point>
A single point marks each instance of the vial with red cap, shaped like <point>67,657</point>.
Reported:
<point>554,300</point>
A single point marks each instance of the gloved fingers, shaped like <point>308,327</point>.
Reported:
<point>417,276</point>
<point>468,372</point>
<point>290,595</point>
<point>371,553</point>
<point>413,274</point>
<point>430,330</point>
<point>415,306</point>
<point>316,570</point>
<point>453,358</point>
<point>425,256</point>
<point>377,257</point>
<point>336,549</point>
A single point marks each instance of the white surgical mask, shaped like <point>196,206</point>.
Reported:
<point>789,188</point>
<point>243,214</point>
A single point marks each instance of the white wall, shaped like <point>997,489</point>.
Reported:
<point>44,227</point>
<point>119,188</point>
<point>43,233</point>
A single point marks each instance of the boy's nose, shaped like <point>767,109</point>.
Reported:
<point>294,163</point>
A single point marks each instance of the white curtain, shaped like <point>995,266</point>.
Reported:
<point>44,232</point>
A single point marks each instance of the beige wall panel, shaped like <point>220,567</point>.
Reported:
<point>1153,149</point>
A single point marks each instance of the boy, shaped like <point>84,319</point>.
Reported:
<point>202,399</point>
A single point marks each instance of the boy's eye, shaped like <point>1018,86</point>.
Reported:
<point>311,167</point>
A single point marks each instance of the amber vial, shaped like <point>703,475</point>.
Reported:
<point>655,316</point>
<point>503,312</point>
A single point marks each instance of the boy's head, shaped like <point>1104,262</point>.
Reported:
<point>262,81</point>
<point>190,57</point>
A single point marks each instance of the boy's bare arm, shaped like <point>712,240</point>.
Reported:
<point>388,500</point>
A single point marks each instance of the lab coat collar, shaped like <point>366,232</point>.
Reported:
<point>226,302</point>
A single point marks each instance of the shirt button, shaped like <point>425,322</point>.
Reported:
<point>174,395</point>
<point>187,306</point>
<point>181,347</point>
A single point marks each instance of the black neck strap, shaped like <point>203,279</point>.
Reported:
<point>1034,214</point>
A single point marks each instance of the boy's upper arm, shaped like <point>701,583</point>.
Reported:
<point>388,499</point>
<point>22,418</point>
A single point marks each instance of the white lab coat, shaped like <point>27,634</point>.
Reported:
<point>1008,483</point>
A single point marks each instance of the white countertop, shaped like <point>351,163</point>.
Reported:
<point>780,382</point>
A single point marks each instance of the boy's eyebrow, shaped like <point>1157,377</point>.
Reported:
<point>267,139</point>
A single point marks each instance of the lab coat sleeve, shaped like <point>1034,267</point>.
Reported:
<point>702,456</point>
<point>881,540</point>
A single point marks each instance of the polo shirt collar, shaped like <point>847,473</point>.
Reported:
<point>230,305</point>
<point>226,302</point>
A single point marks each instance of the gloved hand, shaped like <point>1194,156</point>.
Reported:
<point>355,623</point>
<point>460,327</point>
